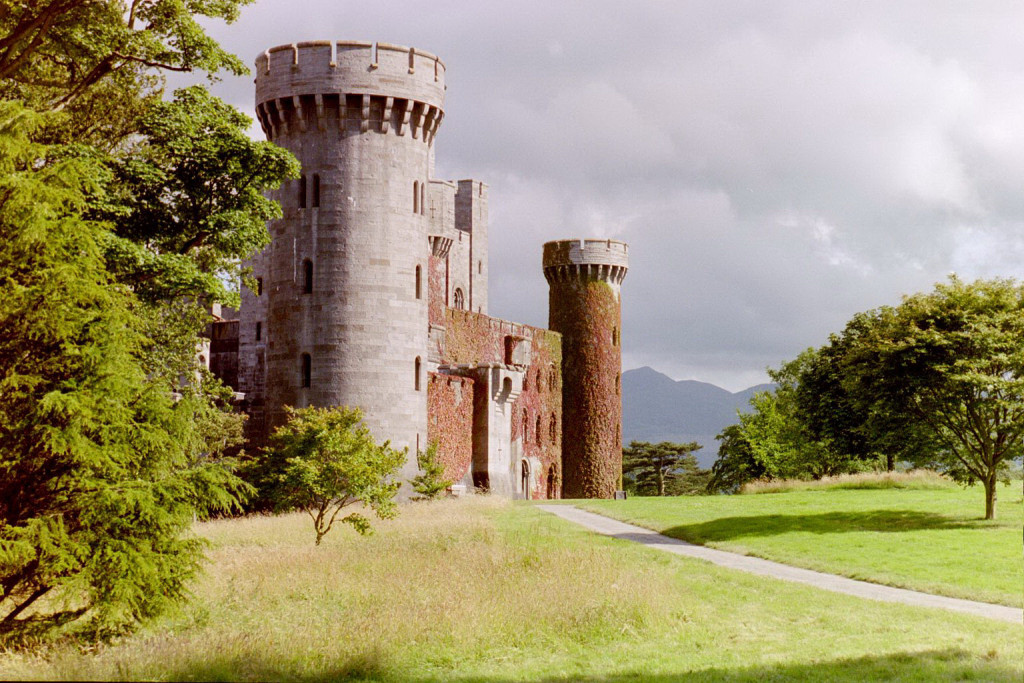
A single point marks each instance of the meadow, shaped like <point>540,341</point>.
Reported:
<point>480,589</point>
<point>919,531</point>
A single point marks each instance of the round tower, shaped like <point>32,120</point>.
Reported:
<point>585,277</point>
<point>345,277</point>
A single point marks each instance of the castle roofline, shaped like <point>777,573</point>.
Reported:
<point>352,43</point>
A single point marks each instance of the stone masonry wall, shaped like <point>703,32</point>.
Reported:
<point>224,351</point>
<point>360,118</point>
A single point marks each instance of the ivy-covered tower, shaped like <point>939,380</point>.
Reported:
<point>585,277</point>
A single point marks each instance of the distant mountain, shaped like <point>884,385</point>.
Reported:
<point>658,408</point>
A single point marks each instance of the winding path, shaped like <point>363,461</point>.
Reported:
<point>755,565</point>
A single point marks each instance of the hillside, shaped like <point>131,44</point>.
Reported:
<point>656,407</point>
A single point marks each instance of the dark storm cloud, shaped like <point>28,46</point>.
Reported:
<point>775,167</point>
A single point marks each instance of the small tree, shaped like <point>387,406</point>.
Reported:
<point>655,466</point>
<point>329,461</point>
<point>432,483</point>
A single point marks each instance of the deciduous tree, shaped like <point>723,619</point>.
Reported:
<point>953,359</point>
<point>98,61</point>
<point>327,460</point>
<point>188,199</point>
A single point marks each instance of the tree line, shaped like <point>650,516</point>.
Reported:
<point>936,381</point>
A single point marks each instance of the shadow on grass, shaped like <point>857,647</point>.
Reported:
<point>936,665</point>
<point>727,528</point>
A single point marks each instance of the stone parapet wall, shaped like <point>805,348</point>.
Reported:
<point>606,260</point>
<point>477,338</point>
<point>349,85</point>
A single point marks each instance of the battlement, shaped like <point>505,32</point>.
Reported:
<point>349,85</point>
<point>606,260</point>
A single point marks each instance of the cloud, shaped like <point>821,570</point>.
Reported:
<point>776,167</point>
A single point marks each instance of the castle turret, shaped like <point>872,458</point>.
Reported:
<point>345,277</point>
<point>584,306</point>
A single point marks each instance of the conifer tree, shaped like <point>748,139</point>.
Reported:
<point>431,483</point>
<point>102,466</point>
<point>654,467</point>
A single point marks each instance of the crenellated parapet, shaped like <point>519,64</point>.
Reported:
<point>604,260</point>
<point>350,87</point>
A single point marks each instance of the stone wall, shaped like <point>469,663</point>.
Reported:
<point>224,351</point>
<point>346,273</point>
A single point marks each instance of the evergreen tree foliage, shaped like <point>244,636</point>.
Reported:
<point>102,467</point>
<point>660,469</point>
<point>327,460</point>
<point>431,484</point>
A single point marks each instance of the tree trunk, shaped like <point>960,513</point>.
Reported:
<point>890,462</point>
<point>990,496</point>
<point>661,482</point>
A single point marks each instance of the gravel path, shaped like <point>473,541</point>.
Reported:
<point>755,565</point>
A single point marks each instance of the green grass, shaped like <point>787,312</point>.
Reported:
<point>928,538</point>
<point>480,590</point>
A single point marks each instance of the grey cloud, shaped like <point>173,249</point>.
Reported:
<point>776,167</point>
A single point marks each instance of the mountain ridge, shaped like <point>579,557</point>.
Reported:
<point>656,407</point>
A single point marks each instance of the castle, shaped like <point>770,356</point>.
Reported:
<point>373,291</point>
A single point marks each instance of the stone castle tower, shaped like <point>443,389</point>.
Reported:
<point>584,306</point>
<point>373,291</point>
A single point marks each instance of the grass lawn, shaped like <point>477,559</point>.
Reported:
<point>932,539</point>
<point>484,590</point>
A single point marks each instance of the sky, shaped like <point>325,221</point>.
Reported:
<point>775,167</point>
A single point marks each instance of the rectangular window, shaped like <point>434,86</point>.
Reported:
<point>259,331</point>
<point>302,192</point>
<point>316,190</point>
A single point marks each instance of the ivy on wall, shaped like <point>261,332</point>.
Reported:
<point>450,422</point>
<point>435,290</point>
<point>587,313</point>
<point>477,338</point>
<point>542,398</point>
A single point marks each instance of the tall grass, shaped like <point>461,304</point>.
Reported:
<point>914,479</point>
<point>484,590</point>
<point>445,576</point>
